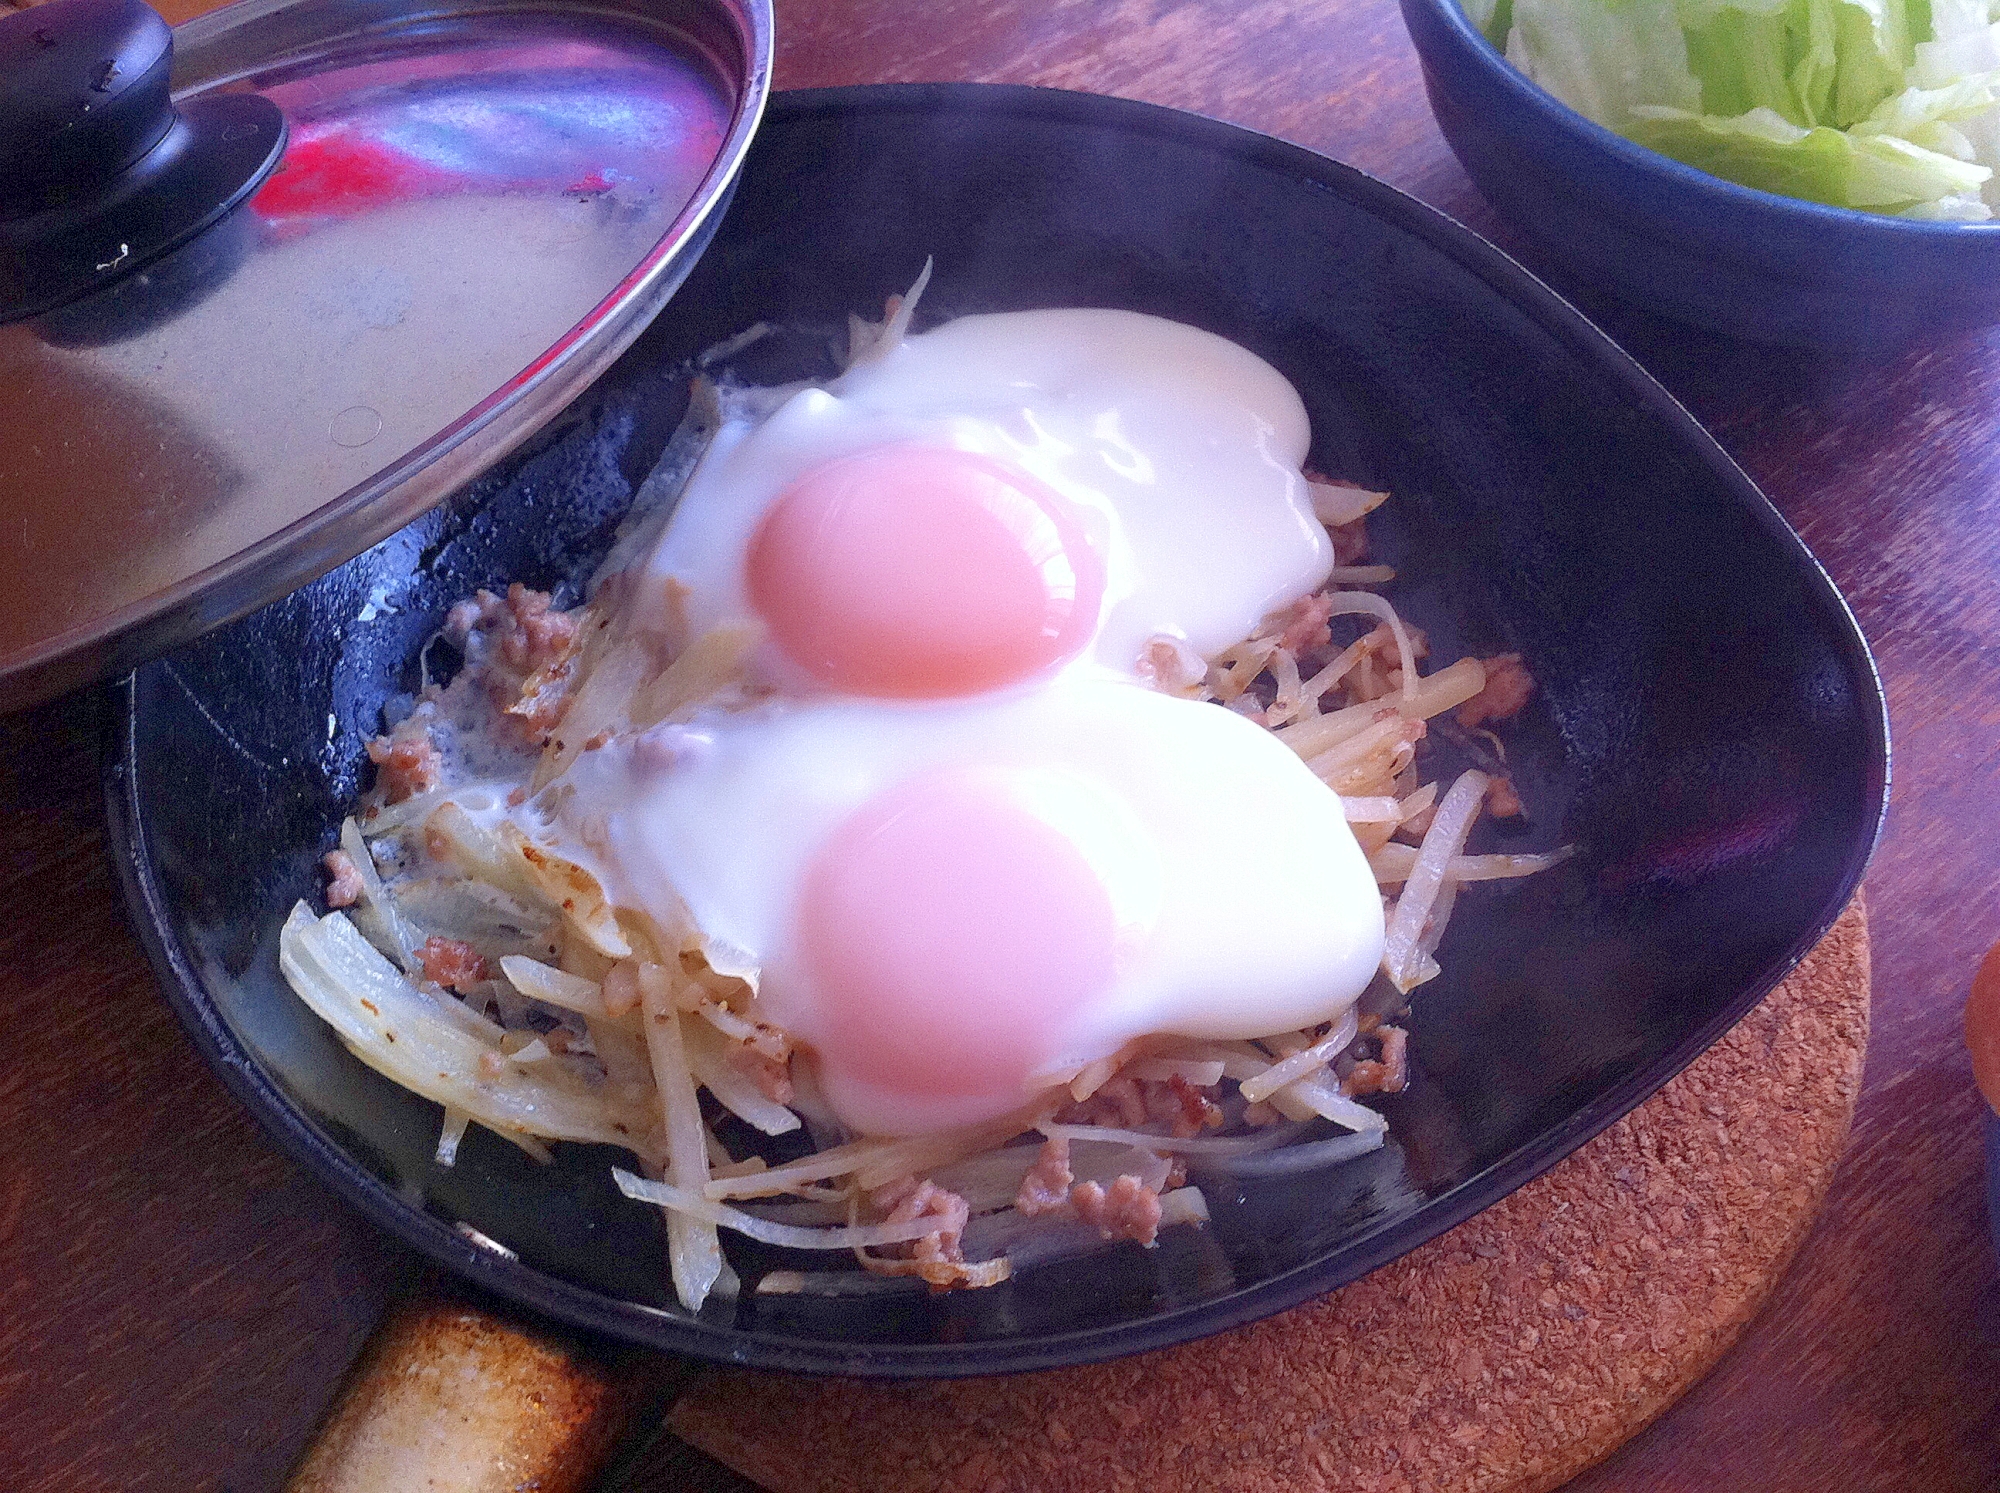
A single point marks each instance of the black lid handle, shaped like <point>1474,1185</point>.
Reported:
<point>83,95</point>
<point>99,172</point>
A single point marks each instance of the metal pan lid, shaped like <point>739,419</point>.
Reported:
<point>364,252</point>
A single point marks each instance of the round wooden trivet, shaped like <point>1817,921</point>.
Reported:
<point>1504,1357</point>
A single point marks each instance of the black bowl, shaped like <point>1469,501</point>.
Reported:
<point>1663,235</point>
<point>1710,729</point>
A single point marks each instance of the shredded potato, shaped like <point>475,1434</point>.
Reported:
<point>692,1245</point>
<point>708,1057</point>
<point>580,1020</point>
<point>1299,1064</point>
<point>1403,959</point>
<point>681,1203</point>
<point>1392,865</point>
<point>539,982</point>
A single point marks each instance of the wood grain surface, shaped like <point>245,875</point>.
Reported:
<point>177,1302</point>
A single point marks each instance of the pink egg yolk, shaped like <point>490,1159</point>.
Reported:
<point>950,938</point>
<point>919,572</point>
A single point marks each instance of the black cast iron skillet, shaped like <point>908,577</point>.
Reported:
<point>1710,730</point>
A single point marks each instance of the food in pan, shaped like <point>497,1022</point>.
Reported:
<point>978,796</point>
<point>1888,106</point>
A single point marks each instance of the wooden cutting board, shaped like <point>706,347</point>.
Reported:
<point>1504,1357</point>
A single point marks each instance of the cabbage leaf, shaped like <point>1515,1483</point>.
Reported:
<point>1879,173</point>
<point>1889,106</point>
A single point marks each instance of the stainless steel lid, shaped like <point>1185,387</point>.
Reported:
<point>474,213</point>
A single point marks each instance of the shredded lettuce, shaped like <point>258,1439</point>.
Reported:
<point>1604,57</point>
<point>1890,106</point>
<point>1878,173</point>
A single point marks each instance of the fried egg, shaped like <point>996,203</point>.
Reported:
<point>961,843</point>
<point>1001,494</point>
<point>947,900</point>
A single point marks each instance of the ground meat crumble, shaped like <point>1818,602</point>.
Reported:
<point>1128,1209</point>
<point>343,879</point>
<point>936,1258</point>
<point>1305,623</point>
<point>407,762</point>
<point>1389,1073</point>
<point>527,654</point>
<point>453,963</point>
<point>1509,687</point>
<point>1046,1186</point>
<point>1502,802</point>
<point>1197,1110</point>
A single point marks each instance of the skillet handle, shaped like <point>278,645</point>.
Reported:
<point>456,1396</point>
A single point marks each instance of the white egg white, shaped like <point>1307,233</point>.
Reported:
<point>1246,906</point>
<point>1179,450</point>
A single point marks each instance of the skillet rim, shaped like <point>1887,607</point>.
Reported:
<point>514,1280</point>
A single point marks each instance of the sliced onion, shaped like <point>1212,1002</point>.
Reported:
<point>390,1025</point>
<point>1392,863</point>
<point>1377,740</point>
<point>392,817</point>
<point>870,1162</point>
<point>586,907</point>
<point>1319,1094</point>
<point>972,1274</point>
<point>1401,953</point>
<point>375,912</point>
<point>786,1236</point>
<point>1240,1060</point>
<point>764,1038</point>
<point>1301,1158</point>
<point>868,343</point>
<point>481,854</point>
<point>703,669</point>
<point>1408,808</point>
<point>1290,696</point>
<point>1202,1073</point>
<point>462,1016</point>
<point>806,1212</point>
<point>607,674</point>
<point>1336,504</point>
<point>1183,1205</point>
<point>735,1091</point>
<point>536,1051</point>
<point>1311,738</point>
<point>450,1134</point>
<point>545,983</point>
<point>834,1283</point>
<point>1093,1076</point>
<point>1306,1060</point>
<point>1368,603</point>
<point>1222,1145</point>
<point>692,1248</point>
<point>1445,690</point>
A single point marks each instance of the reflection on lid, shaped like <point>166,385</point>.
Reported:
<point>451,205</point>
<point>555,116</point>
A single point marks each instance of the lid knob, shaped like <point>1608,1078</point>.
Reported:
<point>83,94</point>
<point>99,172</point>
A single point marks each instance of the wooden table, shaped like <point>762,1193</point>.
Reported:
<point>176,1301</point>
